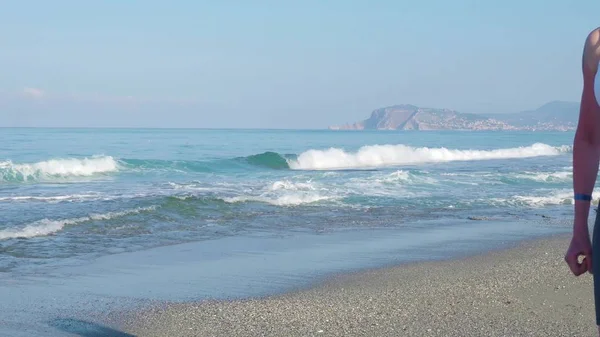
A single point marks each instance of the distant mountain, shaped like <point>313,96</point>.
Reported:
<point>556,115</point>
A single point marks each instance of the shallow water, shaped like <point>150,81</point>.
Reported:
<point>77,193</point>
<point>97,220</point>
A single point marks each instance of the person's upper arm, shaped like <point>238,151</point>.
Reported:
<point>588,128</point>
<point>591,52</point>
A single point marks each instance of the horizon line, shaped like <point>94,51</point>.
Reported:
<point>256,129</point>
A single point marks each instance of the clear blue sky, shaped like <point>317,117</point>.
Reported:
<point>282,64</point>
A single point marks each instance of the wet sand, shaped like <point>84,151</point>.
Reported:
<point>522,291</point>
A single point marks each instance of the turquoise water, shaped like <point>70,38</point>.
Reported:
<point>69,195</point>
<point>94,222</point>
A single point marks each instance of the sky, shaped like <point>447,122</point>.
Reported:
<point>282,64</point>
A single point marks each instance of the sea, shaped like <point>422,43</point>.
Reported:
<point>176,214</point>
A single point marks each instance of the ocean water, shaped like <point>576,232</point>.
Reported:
<point>75,195</point>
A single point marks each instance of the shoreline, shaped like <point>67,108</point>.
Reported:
<point>523,290</point>
<point>59,299</point>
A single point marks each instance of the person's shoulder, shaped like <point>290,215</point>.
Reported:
<point>591,50</point>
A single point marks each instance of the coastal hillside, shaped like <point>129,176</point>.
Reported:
<point>557,115</point>
<point>553,116</point>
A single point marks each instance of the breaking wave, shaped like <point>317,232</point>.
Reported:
<point>389,155</point>
<point>372,156</point>
<point>57,168</point>
<point>47,227</point>
<point>270,160</point>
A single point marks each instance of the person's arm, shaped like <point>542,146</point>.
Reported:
<point>585,170</point>
<point>586,145</point>
<point>586,156</point>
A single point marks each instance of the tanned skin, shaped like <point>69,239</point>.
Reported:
<point>586,158</point>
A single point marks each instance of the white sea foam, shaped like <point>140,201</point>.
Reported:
<point>290,199</point>
<point>560,176</point>
<point>295,193</point>
<point>292,186</point>
<point>52,199</point>
<point>563,198</point>
<point>400,175</point>
<point>46,227</point>
<point>398,184</point>
<point>406,177</point>
<point>71,167</point>
<point>497,177</point>
<point>286,193</point>
<point>194,186</point>
<point>559,197</point>
<point>388,155</point>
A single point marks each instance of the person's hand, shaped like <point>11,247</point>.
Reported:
<point>580,246</point>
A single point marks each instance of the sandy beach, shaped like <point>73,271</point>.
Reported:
<point>523,291</point>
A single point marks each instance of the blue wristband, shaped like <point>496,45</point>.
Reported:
<point>584,197</point>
